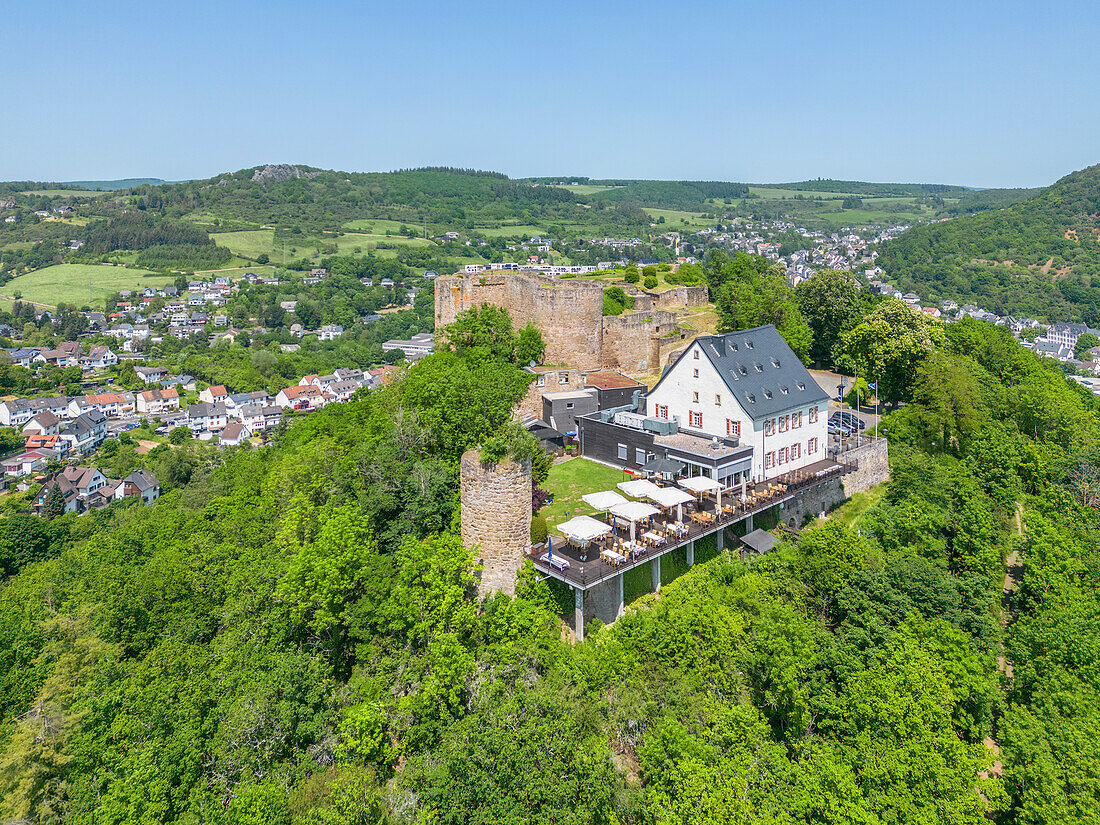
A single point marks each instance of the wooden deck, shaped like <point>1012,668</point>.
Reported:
<point>583,568</point>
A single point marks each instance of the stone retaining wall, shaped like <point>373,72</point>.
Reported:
<point>873,459</point>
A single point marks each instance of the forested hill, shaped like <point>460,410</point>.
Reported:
<point>324,199</point>
<point>876,190</point>
<point>291,634</point>
<point>1039,257</point>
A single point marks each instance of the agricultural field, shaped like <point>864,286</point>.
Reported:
<point>68,283</point>
<point>583,188</point>
<point>509,231</point>
<point>63,193</point>
<point>674,218</point>
<point>252,243</point>
<point>234,272</point>
<point>379,226</point>
<point>774,193</point>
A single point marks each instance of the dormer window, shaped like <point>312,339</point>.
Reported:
<point>741,369</point>
<point>759,367</point>
<point>801,386</point>
<point>751,398</point>
<point>767,394</point>
<point>784,390</point>
<point>775,363</point>
<point>748,344</point>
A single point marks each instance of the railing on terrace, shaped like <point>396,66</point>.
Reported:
<point>585,568</point>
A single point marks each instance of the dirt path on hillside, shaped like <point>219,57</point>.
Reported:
<point>1014,571</point>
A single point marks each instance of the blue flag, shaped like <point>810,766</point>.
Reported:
<point>873,385</point>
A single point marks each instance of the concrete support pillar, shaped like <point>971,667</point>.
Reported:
<point>691,553</point>
<point>720,539</point>
<point>578,613</point>
<point>748,524</point>
<point>619,591</point>
<point>655,572</point>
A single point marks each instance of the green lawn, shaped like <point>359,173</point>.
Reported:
<point>569,481</point>
<point>69,283</point>
<point>853,509</point>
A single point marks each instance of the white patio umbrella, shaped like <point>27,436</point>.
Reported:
<point>702,484</point>
<point>637,488</point>
<point>603,500</point>
<point>634,511</point>
<point>671,497</point>
<point>583,529</point>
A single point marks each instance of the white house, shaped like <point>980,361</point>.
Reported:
<point>747,385</point>
<point>100,357</point>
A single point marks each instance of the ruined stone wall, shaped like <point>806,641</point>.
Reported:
<point>873,459</point>
<point>631,342</point>
<point>683,296</point>
<point>567,313</point>
<point>496,518</point>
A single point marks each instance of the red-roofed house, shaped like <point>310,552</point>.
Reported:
<point>214,394</point>
<point>299,397</point>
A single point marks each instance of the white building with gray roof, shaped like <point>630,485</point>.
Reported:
<point>747,385</point>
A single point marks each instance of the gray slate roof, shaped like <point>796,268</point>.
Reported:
<point>762,372</point>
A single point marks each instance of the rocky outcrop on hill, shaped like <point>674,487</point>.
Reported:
<point>276,172</point>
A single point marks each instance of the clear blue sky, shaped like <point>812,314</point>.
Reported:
<point>978,93</point>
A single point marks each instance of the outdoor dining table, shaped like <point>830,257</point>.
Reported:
<point>611,557</point>
<point>655,538</point>
<point>557,562</point>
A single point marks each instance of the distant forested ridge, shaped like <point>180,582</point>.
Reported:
<point>877,190</point>
<point>1039,257</point>
<point>319,199</point>
<point>668,194</point>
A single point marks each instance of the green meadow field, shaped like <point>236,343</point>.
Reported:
<point>252,243</point>
<point>68,283</point>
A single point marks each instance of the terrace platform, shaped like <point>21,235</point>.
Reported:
<point>584,569</point>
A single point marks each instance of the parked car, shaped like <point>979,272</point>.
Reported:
<point>839,428</point>
<point>849,419</point>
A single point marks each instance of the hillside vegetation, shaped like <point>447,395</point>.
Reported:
<point>292,634</point>
<point>1039,257</point>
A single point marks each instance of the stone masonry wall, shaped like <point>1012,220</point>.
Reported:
<point>569,314</point>
<point>602,601</point>
<point>813,501</point>
<point>632,342</point>
<point>531,404</point>
<point>683,296</point>
<point>496,518</point>
<point>873,459</point>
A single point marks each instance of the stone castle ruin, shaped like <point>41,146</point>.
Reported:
<point>569,314</point>
<point>496,517</point>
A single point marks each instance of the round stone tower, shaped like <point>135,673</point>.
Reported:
<point>496,517</point>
